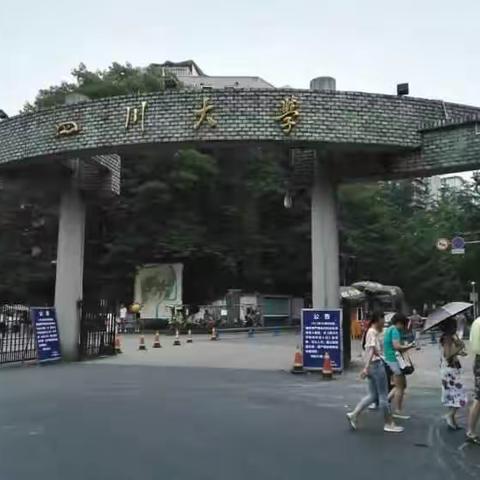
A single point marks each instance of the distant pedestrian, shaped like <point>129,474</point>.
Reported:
<point>123,318</point>
<point>393,348</point>
<point>415,325</point>
<point>374,371</point>
<point>472,436</point>
<point>454,395</point>
<point>461,324</point>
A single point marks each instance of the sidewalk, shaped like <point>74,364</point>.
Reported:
<point>267,352</point>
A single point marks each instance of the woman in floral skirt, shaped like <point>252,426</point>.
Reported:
<point>454,395</point>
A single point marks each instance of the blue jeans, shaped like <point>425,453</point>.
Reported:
<point>377,389</point>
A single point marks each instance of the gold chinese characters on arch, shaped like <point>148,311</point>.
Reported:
<point>204,114</point>
<point>289,113</point>
<point>66,129</point>
<point>135,115</point>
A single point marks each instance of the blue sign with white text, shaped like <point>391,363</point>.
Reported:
<point>322,332</point>
<point>46,333</point>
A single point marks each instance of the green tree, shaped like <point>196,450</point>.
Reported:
<point>115,80</point>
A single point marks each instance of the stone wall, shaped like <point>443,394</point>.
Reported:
<point>455,146</point>
<point>389,123</point>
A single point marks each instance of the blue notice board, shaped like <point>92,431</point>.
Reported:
<point>322,332</point>
<point>44,321</point>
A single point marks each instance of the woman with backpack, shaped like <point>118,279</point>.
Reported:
<point>374,371</point>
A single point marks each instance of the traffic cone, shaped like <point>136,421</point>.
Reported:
<point>118,347</point>
<point>156,341</point>
<point>327,371</point>
<point>213,336</point>
<point>189,337</point>
<point>177,342</point>
<point>298,362</point>
<point>141,345</point>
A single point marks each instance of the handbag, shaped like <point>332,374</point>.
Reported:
<point>405,363</point>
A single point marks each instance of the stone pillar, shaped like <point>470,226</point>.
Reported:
<point>325,254</point>
<point>69,278</point>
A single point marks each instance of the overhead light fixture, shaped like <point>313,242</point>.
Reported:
<point>402,89</point>
<point>287,200</point>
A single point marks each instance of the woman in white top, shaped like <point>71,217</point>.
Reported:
<point>374,371</point>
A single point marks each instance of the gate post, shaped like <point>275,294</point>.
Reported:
<point>325,253</point>
<point>69,275</point>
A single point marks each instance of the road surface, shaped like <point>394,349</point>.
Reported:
<point>115,421</point>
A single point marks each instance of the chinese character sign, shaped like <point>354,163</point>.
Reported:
<point>289,113</point>
<point>135,115</point>
<point>46,333</point>
<point>322,332</point>
<point>204,114</point>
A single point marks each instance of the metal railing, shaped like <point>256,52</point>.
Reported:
<point>17,339</point>
<point>97,329</point>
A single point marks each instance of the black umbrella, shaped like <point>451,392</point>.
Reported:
<point>444,313</point>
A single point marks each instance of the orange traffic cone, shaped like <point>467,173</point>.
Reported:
<point>298,361</point>
<point>156,341</point>
<point>327,371</point>
<point>141,345</point>
<point>213,336</point>
<point>118,347</point>
<point>189,337</point>
<point>176,342</point>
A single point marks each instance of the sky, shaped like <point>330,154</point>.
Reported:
<point>367,45</point>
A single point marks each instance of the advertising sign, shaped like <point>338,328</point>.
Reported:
<point>45,325</point>
<point>321,333</point>
<point>158,287</point>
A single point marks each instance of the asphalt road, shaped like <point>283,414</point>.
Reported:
<point>100,421</point>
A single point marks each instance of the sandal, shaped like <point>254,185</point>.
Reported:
<point>474,439</point>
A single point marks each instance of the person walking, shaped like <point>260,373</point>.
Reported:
<point>374,371</point>
<point>454,395</point>
<point>415,326</point>
<point>123,318</point>
<point>461,324</point>
<point>392,348</point>
<point>474,415</point>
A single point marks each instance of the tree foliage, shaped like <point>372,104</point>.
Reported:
<point>116,80</point>
<point>395,243</point>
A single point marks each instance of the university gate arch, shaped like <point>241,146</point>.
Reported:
<point>331,136</point>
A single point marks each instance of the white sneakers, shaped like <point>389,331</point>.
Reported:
<point>352,419</point>
<point>392,428</point>
<point>389,427</point>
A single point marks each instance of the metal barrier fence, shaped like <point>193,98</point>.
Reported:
<point>223,315</point>
<point>17,340</point>
<point>97,329</point>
